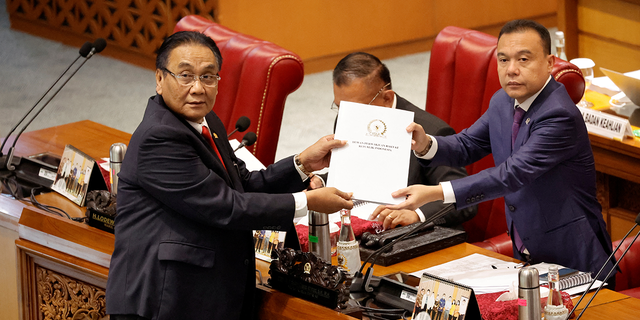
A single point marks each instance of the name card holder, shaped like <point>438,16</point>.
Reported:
<point>607,125</point>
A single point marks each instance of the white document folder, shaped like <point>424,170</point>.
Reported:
<point>375,161</point>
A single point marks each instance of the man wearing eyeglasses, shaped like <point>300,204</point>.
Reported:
<point>361,77</point>
<point>187,206</point>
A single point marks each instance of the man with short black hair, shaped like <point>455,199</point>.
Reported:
<point>187,206</point>
<point>544,165</point>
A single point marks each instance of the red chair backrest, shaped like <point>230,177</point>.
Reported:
<point>257,76</point>
<point>463,77</point>
<point>629,275</point>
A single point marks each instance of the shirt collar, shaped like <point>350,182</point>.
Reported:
<point>395,101</point>
<point>527,103</point>
<point>198,126</point>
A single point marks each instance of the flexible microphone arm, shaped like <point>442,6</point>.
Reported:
<point>355,286</point>
<point>608,274</point>
<point>84,51</point>
<point>98,46</point>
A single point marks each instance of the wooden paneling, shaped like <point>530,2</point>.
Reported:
<point>320,31</point>
<point>55,285</point>
<point>610,19</point>
<point>620,222</point>
<point>606,31</point>
<point>609,54</point>
<point>133,29</point>
<point>8,275</point>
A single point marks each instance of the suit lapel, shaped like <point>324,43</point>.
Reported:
<point>226,152</point>
<point>529,117</point>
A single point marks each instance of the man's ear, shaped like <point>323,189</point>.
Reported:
<point>387,98</point>
<point>551,60</point>
<point>159,78</point>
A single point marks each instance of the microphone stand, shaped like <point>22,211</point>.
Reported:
<point>84,51</point>
<point>608,274</point>
<point>9,160</point>
<point>361,282</point>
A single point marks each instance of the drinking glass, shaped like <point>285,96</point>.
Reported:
<point>586,66</point>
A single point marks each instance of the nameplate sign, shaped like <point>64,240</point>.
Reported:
<point>605,124</point>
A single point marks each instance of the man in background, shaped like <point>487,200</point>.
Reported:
<point>361,77</point>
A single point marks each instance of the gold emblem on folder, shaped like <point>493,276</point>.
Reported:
<point>376,128</point>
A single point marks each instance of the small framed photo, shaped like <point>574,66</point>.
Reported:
<point>265,241</point>
<point>442,299</point>
<point>74,174</point>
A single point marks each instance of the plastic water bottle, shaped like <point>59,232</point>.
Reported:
<point>560,49</point>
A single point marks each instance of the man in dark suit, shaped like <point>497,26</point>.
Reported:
<point>544,165</point>
<point>361,77</point>
<point>187,206</point>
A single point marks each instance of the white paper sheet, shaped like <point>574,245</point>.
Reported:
<point>375,161</point>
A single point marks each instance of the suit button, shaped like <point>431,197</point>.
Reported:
<point>481,196</point>
<point>278,227</point>
<point>468,200</point>
<point>246,262</point>
<point>512,208</point>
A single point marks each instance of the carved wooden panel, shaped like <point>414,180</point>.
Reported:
<point>62,297</point>
<point>138,26</point>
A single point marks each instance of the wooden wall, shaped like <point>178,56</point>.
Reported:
<point>606,31</point>
<point>323,31</point>
<point>320,31</point>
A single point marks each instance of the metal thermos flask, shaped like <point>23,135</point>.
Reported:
<point>319,240</point>
<point>116,154</point>
<point>529,294</point>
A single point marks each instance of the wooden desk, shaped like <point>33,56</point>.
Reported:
<point>59,257</point>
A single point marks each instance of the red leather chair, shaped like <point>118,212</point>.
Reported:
<point>500,244</point>
<point>628,279</point>
<point>257,76</point>
<point>462,78</point>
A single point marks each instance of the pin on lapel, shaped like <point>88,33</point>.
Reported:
<point>216,136</point>
<point>527,121</point>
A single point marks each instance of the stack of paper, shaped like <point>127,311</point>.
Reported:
<point>486,274</point>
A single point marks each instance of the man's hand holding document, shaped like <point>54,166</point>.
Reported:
<point>375,161</point>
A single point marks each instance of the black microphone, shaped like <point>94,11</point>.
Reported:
<point>98,46</point>
<point>8,162</point>
<point>241,125</point>
<point>248,140</point>
<point>610,271</point>
<point>84,51</point>
<point>361,282</point>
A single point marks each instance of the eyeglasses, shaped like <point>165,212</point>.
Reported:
<point>187,79</point>
<point>335,107</point>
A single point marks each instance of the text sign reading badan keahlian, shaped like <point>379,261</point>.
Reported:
<point>604,124</point>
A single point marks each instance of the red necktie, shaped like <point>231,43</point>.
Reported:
<point>207,136</point>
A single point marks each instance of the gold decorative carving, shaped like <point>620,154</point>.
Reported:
<point>138,26</point>
<point>63,297</point>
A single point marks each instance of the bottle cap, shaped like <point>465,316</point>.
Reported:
<point>117,151</point>
<point>528,278</point>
